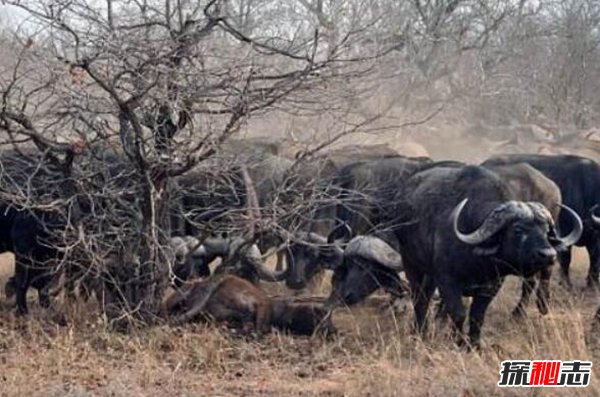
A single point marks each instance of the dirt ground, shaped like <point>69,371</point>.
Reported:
<point>375,354</point>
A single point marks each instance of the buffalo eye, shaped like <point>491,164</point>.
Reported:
<point>519,231</point>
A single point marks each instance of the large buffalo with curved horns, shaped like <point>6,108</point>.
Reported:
<point>578,179</point>
<point>469,232</point>
<point>528,184</point>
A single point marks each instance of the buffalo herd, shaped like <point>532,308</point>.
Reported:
<point>380,218</point>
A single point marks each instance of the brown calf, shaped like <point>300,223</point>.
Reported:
<point>228,298</point>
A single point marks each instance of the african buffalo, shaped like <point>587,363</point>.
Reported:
<point>367,188</point>
<point>362,191</point>
<point>528,184</point>
<point>29,232</point>
<point>228,298</point>
<point>28,235</point>
<point>309,180</point>
<point>470,230</point>
<point>578,179</point>
<point>365,264</point>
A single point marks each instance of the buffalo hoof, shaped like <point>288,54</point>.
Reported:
<point>466,346</point>
<point>519,313</point>
<point>326,332</point>
<point>45,302</point>
<point>60,319</point>
<point>473,346</point>
<point>20,312</point>
<point>543,308</point>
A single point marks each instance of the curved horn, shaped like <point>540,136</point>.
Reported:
<point>333,251</point>
<point>332,254</point>
<point>254,258</point>
<point>595,218</point>
<point>374,249</point>
<point>575,234</point>
<point>492,223</point>
<point>346,233</point>
<point>180,248</point>
<point>315,238</point>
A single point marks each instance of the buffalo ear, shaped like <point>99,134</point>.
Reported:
<point>486,251</point>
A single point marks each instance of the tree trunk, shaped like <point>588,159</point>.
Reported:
<point>136,277</point>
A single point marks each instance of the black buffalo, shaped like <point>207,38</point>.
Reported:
<point>528,184</point>
<point>578,179</point>
<point>27,234</point>
<point>363,265</point>
<point>470,231</point>
<point>30,231</point>
<point>367,188</point>
<point>314,180</point>
<point>361,191</point>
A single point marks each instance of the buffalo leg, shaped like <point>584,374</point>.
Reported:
<point>441,313</point>
<point>527,287</point>
<point>44,296</point>
<point>421,290</point>
<point>564,259</point>
<point>543,291</point>
<point>594,272</point>
<point>476,316</point>
<point>452,298</point>
<point>21,286</point>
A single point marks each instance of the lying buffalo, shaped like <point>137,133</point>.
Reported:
<point>471,231</point>
<point>228,298</point>
<point>578,179</point>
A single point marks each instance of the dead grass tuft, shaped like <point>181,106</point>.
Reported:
<point>374,355</point>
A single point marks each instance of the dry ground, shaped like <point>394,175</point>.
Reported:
<point>374,355</point>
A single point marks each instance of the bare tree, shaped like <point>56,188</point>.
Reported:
<point>125,96</point>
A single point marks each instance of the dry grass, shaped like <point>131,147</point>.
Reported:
<point>374,355</point>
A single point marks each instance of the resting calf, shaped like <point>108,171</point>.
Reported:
<point>231,299</point>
